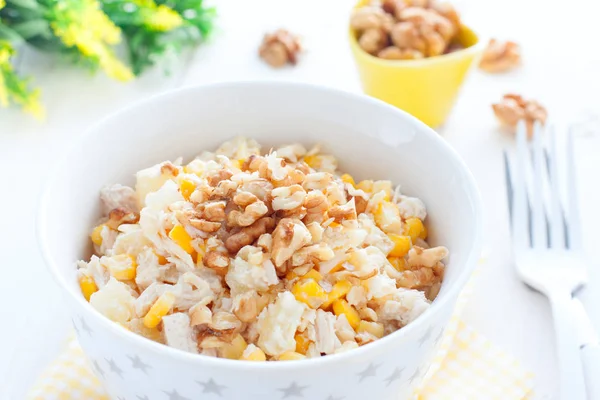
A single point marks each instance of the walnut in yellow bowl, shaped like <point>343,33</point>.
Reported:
<point>413,54</point>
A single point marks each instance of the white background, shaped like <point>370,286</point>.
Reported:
<point>561,64</point>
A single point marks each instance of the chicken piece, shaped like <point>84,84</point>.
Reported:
<point>178,332</point>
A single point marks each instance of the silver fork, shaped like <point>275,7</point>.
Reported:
<point>548,248</point>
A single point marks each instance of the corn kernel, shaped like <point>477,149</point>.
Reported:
<point>313,161</point>
<point>309,292</point>
<point>302,343</point>
<point>180,236</point>
<point>96,234</point>
<point>339,290</point>
<point>347,178</point>
<point>159,309</point>
<point>238,163</point>
<point>365,186</point>
<point>402,245</point>
<point>334,224</point>
<point>291,356</point>
<point>313,274</point>
<point>399,263</point>
<point>342,307</point>
<point>235,349</point>
<point>373,328</point>
<point>162,260</point>
<point>414,228</point>
<point>255,355</point>
<point>88,286</point>
<point>123,268</point>
<point>187,187</point>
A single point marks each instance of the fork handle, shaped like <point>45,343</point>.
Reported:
<point>591,362</point>
<point>572,384</point>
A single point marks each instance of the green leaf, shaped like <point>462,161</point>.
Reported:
<point>10,35</point>
<point>29,4</point>
<point>29,29</point>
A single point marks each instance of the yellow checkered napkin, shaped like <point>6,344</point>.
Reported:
<point>467,367</point>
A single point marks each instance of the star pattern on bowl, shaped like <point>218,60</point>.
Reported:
<point>395,376</point>
<point>426,336</point>
<point>371,370</point>
<point>75,327</point>
<point>440,335</point>
<point>174,395</point>
<point>211,386</point>
<point>97,369</point>
<point>294,390</point>
<point>114,367</point>
<point>415,375</point>
<point>85,327</point>
<point>137,363</point>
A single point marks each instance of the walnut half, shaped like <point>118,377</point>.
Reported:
<point>513,108</point>
<point>280,48</point>
<point>500,56</point>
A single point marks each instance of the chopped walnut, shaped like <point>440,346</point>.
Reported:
<point>253,210</point>
<point>280,48</point>
<point>288,197</point>
<point>217,261</point>
<point>316,207</point>
<point>500,56</point>
<point>200,314</point>
<point>249,234</point>
<point>514,108</point>
<point>119,216</point>
<point>212,211</point>
<point>417,278</point>
<point>289,236</point>
<point>246,306</point>
<point>312,254</point>
<point>418,257</point>
<point>344,212</point>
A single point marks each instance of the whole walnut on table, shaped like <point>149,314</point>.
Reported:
<point>280,48</point>
<point>500,56</point>
<point>514,108</point>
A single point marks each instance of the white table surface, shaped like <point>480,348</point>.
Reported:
<point>560,69</point>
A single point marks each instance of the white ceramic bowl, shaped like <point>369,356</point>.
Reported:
<point>371,140</point>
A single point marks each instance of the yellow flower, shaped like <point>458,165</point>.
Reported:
<point>3,91</point>
<point>2,4</point>
<point>164,19</point>
<point>92,32</point>
<point>33,106</point>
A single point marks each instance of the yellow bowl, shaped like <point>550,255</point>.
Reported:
<point>425,88</point>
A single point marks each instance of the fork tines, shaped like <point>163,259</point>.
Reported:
<point>533,184</point>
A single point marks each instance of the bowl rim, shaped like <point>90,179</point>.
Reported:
<point>452,292</point>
